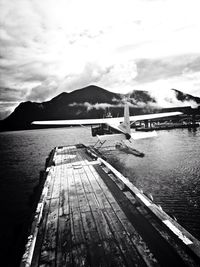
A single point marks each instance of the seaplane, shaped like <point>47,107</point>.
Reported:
<point>119,129</point>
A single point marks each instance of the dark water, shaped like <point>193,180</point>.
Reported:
<point>22,157</point>
<point>170,171</point>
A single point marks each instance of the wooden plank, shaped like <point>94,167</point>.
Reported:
<point>87,214</point>
<point>64,194</point>
<point>41,232</point>
<point>82,199</point>
<point>83,174</point>
<point>87,177</point>
<point>95,248</point>
<point>56,187</point>
<point>95,245</point>
<point>122,234</point>
<point>117,210</point>
<point>51,184</point>
<point>79,248</point>
<point>128,249</point>
<point>80,256</point>
<point>64,244</point>
<point>78,231</point>
<point>72,151</point>
<point>104,202</point>
<point>92,201</point>
<point>74,251</point>
<point>99,184</point>
<point>73,200</point>
<point>136,239</point>
<point>48,250</point>
<point>111,250</point>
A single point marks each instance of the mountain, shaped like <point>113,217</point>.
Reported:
<point>88,102</point>
<point>186,97</point>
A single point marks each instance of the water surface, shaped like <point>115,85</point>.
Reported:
<point>170,171</point>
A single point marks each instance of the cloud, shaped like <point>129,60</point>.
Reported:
<point>91,73</point>
<point>42,91</point>
<point>52,46</point>
<point>6,108</point>
<point>107,75</point>
<point>167,99</point>
<point>164,68</point>
<point>120,76</point>
<point>139,104</point>
<point>14,95</point>
<point>95,106</point>
<point>186,82</point>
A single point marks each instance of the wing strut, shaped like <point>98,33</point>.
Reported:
<point>99,143</point>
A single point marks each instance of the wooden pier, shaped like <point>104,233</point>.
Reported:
<point>89,214</point>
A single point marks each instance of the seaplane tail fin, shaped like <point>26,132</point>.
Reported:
<point>125,125</point>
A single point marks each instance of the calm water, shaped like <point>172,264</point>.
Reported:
<point>170,171</point>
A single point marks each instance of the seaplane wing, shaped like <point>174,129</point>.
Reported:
<point>79,122</point>
<point>121,124</point>
<point>153,116</point>
<point>112,122</point>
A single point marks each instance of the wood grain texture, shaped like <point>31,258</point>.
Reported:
<point>89,217</point>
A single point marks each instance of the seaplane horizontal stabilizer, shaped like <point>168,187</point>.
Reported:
<point>142,135</point>
<point>120,137</point>
<point>111,137</point>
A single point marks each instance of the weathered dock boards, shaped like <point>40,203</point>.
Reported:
<point>91,215</point>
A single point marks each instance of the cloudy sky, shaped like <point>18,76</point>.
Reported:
<point>51,46</point>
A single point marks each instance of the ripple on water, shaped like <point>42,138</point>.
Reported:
<point>170,171</point>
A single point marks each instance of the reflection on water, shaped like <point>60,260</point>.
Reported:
<point>170,171</point>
